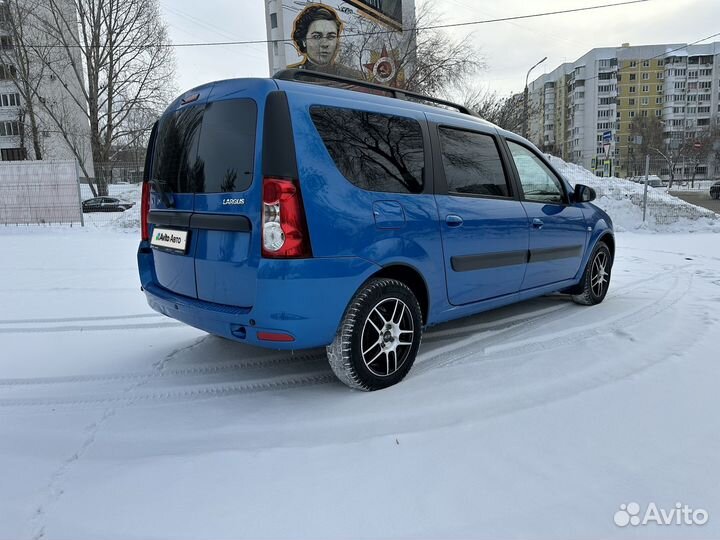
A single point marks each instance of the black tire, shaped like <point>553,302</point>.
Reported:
<point>596,278</point>
<point>369,329</point>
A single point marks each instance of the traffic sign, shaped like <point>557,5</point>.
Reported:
<point>607,137</point>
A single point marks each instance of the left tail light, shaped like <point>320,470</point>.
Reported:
<point>284,229</point>
<point>144,211</point>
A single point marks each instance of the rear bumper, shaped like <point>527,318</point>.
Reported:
<point>304,299</point>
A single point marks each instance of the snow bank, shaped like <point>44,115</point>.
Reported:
<point>623,201</point>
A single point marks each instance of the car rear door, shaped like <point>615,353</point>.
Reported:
<point>484,226</point>
<point>226,209</point>
<point>557,228</point>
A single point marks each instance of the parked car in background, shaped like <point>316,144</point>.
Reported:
<point>652,181</point>
<point>292,215</point>
<point>106,204</point>
<point>715,190</point>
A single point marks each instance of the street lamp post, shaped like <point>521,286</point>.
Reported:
<point>525,99</point>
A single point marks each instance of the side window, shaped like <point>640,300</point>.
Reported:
<point>472,163</point>
<point>538,182</point>
<point>376,152</point>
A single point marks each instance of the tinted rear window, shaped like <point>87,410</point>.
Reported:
<point>376,152</point>
<point>472,164</point>
<point>207,148</point>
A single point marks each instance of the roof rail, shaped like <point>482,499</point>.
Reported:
<point>398,93</point>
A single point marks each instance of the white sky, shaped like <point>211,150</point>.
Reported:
<point>508,48</point>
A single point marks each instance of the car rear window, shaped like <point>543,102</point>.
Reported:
<point>472,164</point>
<point>376,152</point>
<point>206,148</point>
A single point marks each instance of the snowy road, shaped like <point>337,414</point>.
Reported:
<point>537,421</point>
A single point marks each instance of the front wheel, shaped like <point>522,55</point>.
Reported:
<point>596,278</point>
<point>379,336</point>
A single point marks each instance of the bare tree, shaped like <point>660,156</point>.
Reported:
<point>693,149</point>
<point>503,111</point>
<point>113,56</point>
<point>428,61</point>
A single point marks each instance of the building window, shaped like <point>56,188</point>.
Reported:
<point>9,100</point>
<point>7,72</point>
<point>273,20</point>
<point>646,63</point>
<point>633,76</point>
<point>631,101</point>
<point>8,129</point>
<point>13,154</point>
<point>659,88</point>
<point>632,89</point>
<point>658,113</point>
<point>645,101</point>
<point>645,76</point>
<point>645,88</point>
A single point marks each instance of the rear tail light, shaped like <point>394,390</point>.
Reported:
<point>144,211</point>
<point>284,229</point>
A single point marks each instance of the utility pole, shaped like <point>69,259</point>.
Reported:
<point>525,99</point>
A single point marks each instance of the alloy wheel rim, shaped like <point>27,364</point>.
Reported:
<point>387,337</point>
<point>600,274</point>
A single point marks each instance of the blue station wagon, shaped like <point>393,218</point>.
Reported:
<point>307,210</point>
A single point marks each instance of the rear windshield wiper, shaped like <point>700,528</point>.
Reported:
<point>166,193</point>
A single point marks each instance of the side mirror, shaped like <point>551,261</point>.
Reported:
<point>583,194</point>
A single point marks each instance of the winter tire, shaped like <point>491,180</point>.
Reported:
<point>596,278</point>
<point>379,336</point>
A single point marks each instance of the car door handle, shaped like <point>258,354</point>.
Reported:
<point>537,223</point>
<point>453,220</point>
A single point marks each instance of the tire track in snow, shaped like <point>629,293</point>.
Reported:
<point>544,343</point>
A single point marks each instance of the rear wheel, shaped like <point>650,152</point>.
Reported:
<point>379,336</point>
<point>596,278</point>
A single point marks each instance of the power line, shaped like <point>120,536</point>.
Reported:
<point>384,32</point>
<point>431,27</point>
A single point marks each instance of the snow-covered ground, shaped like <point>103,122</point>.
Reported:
<point>534,421</point>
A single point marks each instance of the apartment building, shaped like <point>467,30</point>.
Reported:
<point>59,89</point>
<point>585,111</point>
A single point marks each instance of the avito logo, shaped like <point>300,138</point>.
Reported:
<point>680,514</point>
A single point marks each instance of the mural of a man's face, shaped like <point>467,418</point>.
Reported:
<point>321,42</point>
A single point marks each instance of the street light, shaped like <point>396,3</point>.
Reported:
<point>525,99</point>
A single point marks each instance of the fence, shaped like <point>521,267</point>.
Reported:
<point>39,192</point>
<point>686,202</point>
<point>125,172</point>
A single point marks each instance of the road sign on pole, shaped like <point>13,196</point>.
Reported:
<point>607,137</point>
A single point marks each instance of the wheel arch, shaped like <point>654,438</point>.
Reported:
<point>609,240</point>
<point>413,279</point>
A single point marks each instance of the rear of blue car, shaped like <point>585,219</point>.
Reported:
<point>224,223</point>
